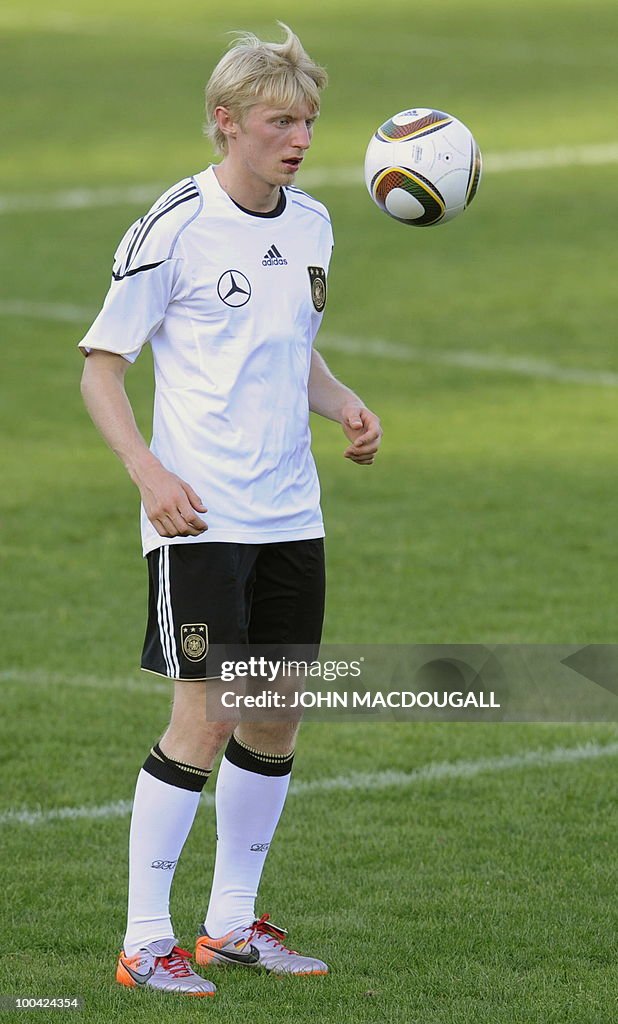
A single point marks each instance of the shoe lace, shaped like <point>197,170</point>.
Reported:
<point>176,963</point>
<point>269,931</point>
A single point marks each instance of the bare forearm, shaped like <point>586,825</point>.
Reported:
<point>110,410</point>
<point>332,399</point>
<point>327,395</point>
<point>170,503</point>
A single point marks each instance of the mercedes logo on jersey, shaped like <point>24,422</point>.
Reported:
<point>234,288</point>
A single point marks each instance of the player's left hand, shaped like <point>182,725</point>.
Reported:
<point>362,427</point>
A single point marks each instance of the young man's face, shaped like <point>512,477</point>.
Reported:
<point>270,144</point>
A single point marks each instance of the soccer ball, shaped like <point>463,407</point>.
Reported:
<point>422,167</point>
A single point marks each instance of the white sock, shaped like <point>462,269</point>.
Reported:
<point>249,806</point>
<point>161,821</point>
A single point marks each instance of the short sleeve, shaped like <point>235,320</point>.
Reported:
<point>145,276</point>
<point>133,310</point>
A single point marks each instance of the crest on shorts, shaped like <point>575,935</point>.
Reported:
<point>194,640</point>
<point>317,276</point>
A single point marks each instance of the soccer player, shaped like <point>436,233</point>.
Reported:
<point>226,278</point>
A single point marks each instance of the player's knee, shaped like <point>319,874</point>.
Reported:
<point>196,743</point>
<point>217,734</point>
<point>208,735</point>
<point>278,737</point>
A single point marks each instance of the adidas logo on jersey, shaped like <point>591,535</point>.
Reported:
<point>273,258</point>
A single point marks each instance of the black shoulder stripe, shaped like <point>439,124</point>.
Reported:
<point>136,270</point>
<point>188,191</point>
<point>172,195</point>
<point>167,209</point>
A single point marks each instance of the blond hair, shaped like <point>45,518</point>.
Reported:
<point>252,71</point>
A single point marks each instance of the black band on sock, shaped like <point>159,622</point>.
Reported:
<point>256,761</point>
<point>175,773</point>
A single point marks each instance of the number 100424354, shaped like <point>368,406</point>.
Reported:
<point>41,1003</point>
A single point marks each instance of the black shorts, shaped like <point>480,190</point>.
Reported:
<point>211,602</point>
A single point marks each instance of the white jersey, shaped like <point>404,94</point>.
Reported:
<point>230,302</point>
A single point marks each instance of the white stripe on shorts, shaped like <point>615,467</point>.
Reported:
<point>161,612</point>
<point>170,617</point>
<point>164,615</point>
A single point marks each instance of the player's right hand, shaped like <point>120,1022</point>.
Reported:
<point>171,504</point>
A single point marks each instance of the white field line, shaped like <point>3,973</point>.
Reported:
<point>358,782</point>
<point>132,684</point>
<point>381,349</point>
<point>378,348</point>
<point>60,311</point>
<point>517,160</point>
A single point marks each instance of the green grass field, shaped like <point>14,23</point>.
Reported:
<point>439,896</point>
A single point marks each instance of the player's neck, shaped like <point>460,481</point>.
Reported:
<point>252,194</point>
